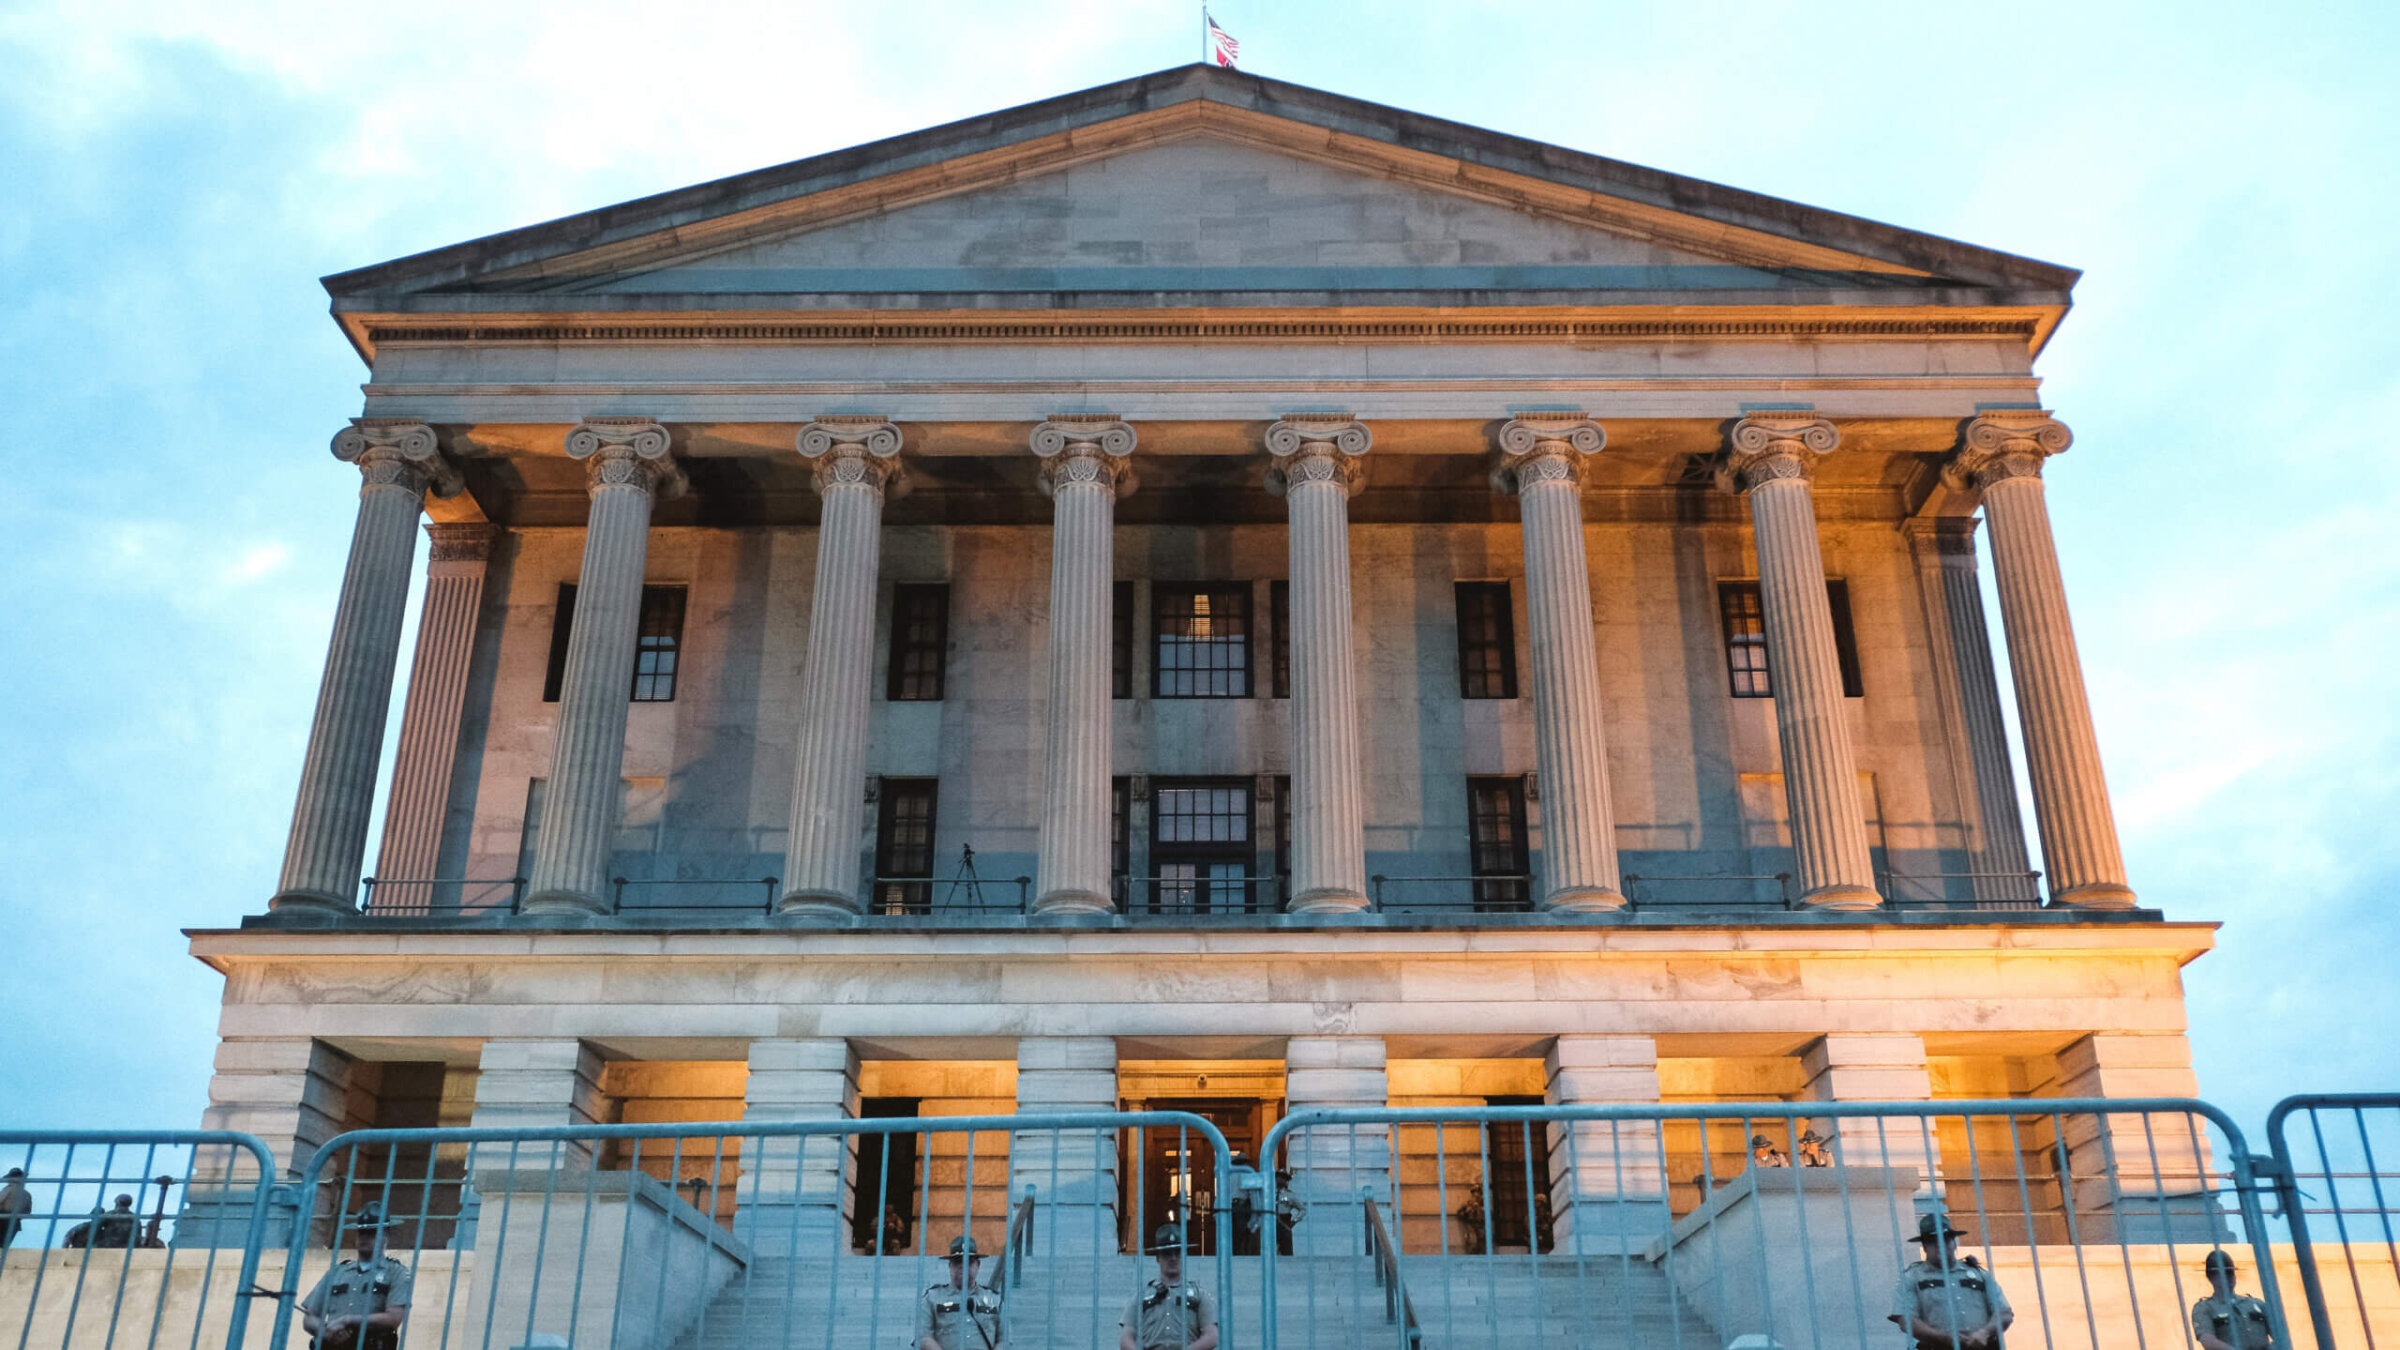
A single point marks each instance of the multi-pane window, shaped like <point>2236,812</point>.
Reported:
<point>1200,846</point>
<point>1744,617</point>
<point>1279,618</point>
<point>1487,641</point>
<point>1120,640</point>
<point>1496,846</point>
<point>1283,841</point>
<point>658,644</point>
<point>904,845</point>
<point>1201,641</point>
<point>1120,837</point>
<point>920,643</point>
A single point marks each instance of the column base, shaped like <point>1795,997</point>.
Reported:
<point>2095,895</point>
<point>1327,900</point>
<point>1583,900</point>
<point>817,907</point>
<point>1842,898</point>
<point>560,900</point>
<point>315,902</point>
<point>1065,904</point>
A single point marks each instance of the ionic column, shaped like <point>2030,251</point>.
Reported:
<point>1961,645</point>
<point>1768,462</point>
<point>437,695</point>
<point>328,843</point>
<point>1541,461</point>
<point>2002,459</point>
<point>627,467</point>
<point>1317,470</point>
<point>854,459</point>
<point>1086,466</point>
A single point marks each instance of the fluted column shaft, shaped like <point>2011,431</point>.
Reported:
<point>1085,469</point>
<point>1768,463</point>
<point>1318,468</point>
<point>419,803</point>
<point>854,459</point>
<point>1542,462</point>
<point>328,843</point>
<point>1970,695</point>
<point>627,468</point>
<point>2003,458</point>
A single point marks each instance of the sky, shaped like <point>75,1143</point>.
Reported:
<point>174,178</point>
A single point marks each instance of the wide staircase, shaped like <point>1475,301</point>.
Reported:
<point>1070,1303</point>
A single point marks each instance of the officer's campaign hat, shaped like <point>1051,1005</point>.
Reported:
<point>2219,1259</point>
<point>370,1216</point>
<point>962,1248</point>
<point>1935,1227</point>
<point>1168,1239</point>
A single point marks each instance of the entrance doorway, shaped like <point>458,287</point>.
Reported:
<point>883,1211</point>
<point>1176,1172</point>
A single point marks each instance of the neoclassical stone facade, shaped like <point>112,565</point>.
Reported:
<point>1393,611</point>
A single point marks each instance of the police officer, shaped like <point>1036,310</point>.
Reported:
<point>959,1314</point>
<point>1171,1313</point>
<point>1945,1303</point>
<point>360,1304</point>
<point>2226,1320</point>
<point>15,1203</point>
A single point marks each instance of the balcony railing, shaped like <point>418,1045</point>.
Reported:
<point>1506,893</point>
<point>412,897</point>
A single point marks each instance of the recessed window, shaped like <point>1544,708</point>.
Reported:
<point>1496,847</point>
<point>1120,837</point>
<point>1744,618</point>
<point>1120,640</point>
<point>904,822</point>
<point>658,644</point>
<point>1201,642</point>
<point>1200,846</point>
<point>1279,619</point>
<point>920,643</point>
<point>1487,641</point>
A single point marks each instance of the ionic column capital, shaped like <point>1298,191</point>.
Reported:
<point>463,541</point>
<point>1329,449</point>
<point>1766,447</point>
<point>1546,449</point>
<point>627,452</point>
<point>1080,452</point>
<point>860,451</point>
<point>1997,446</point>
<point>399,454</point>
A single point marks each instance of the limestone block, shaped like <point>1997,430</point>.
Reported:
<point>1855,1067</point>
<point>1073,1171</point>
<point>1607,1178</point>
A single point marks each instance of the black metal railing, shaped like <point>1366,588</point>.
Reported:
<point>1505,893</point>
<point>926,897</point>
<point>1730,891</point>
<point>1177,896</point>
<point>412,897</point>
<point>1986,890</point>
<point>726,895</point>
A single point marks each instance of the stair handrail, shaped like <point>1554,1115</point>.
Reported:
<point>1017,1243</point>
<point>1397,1306</point>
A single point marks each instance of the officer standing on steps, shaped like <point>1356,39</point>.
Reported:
<point>2226,1320</point>
<point>1171,1313</point>
<point>1944,1302</point>
<point>360,1304</point>
<point>959,1314</point>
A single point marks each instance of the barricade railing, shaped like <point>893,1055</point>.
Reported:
<point>729,1236</point>
<point>2336,1172</point>
<point>144,1239</point>
<point>1791,1224</point>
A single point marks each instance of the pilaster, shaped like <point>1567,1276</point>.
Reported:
<point>1073,1173</point>
<point>1332,1164</point>
<point>795,1190</point>
<point>1318,466</point>
<point>1608,1181</point>
<point>2137,1177</point>
<point>1874,1068</point>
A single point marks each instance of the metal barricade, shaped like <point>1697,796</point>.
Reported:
<point>147,1240</point>
<point>1784,1225</point>
<point>729,1236</point>
<point>2336,1169</point>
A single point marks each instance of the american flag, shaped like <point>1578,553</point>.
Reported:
<point>1221,46</point>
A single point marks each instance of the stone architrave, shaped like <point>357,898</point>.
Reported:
<point>855,461</point>
<point>1542,463</point>
<point>400,462</point>
<point>1086,466</point>
<point>627,467</point>
<point>1961,645</point>
<point>419,804</point>
<point>1318,467</point>
<point>1768,462</point>
<point>2001,458</point>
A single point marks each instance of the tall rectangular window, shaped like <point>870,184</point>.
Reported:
<point>657,651</point>
<point>1200,846</point>
<point>1496,846</point>
<point>1487,641</point>
<point>1200,645</point>
<point>1279,618</point>
<point>920,643</point>
<point>904,820</point>
<point>1120,837</point>
<point>1744,617</point>
<point>1283,841</point>
<point>1120,640</point>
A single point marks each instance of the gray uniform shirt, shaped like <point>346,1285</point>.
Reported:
<point>2239,1321</point>
<point>359,1289</point>
<point>1959,1299</point>
<point>1165,1317</point>
<point>958,1319</point>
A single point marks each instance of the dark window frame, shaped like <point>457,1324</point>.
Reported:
<point>1279,638</point>
<point>1120,839</point>
<point>1487,639</point>
<point>1749,666</point>
<point>1179,681</point>
<point>659,621</point>
<point>918,666</point>
<point>895,857</point>
<point>1120,640</point>
<point>1505,852</point>
<point>1207,889</point>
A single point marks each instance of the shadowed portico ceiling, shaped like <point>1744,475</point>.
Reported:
<point>1196,205</point>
